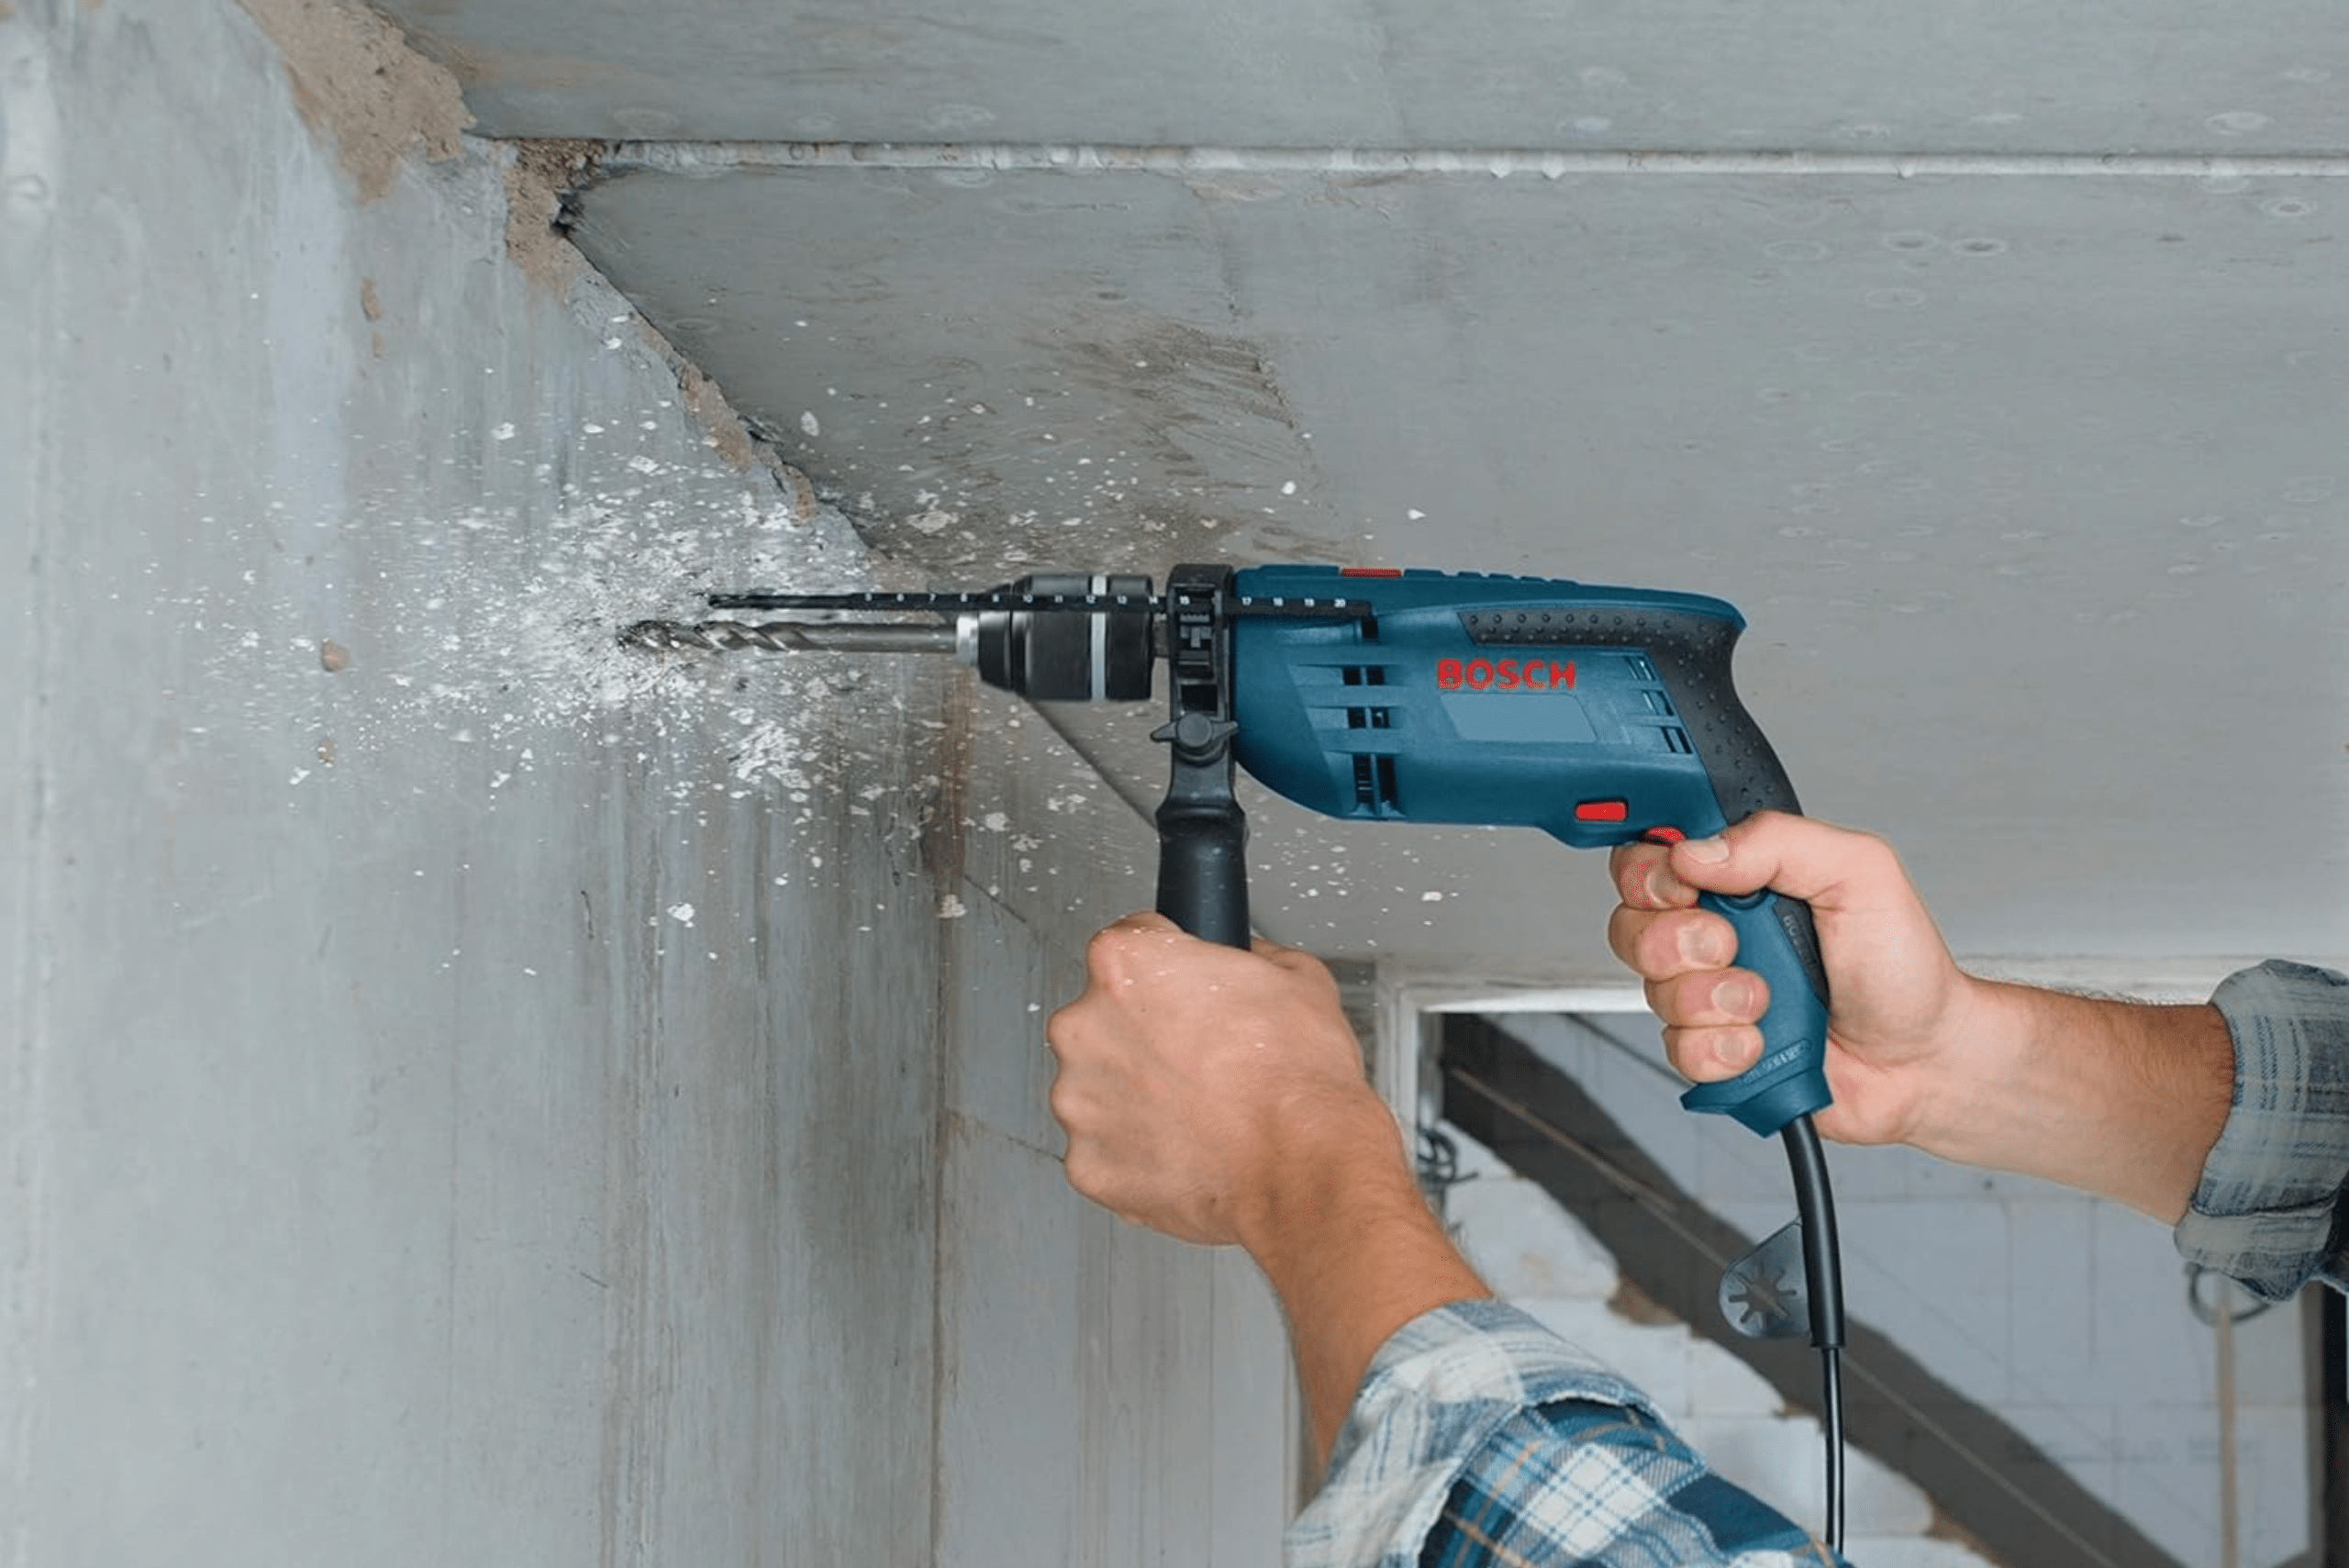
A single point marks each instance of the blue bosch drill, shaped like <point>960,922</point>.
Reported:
<point>1601,716</point>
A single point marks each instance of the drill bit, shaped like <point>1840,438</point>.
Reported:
<point>789,637</point>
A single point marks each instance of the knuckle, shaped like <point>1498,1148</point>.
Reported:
<point>1110,952</point>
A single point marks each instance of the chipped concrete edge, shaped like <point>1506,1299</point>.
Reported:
<point>543,177</point>
<point>362,85</point>
<point>358,84</point>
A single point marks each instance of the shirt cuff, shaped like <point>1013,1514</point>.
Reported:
<point>2265,1211</point>
<point>1435,1394</point>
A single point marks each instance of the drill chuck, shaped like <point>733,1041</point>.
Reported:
<point>1101,654</point>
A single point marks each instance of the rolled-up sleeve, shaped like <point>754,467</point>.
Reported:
<point>1480,1438</point>
<point>2267,1209</point>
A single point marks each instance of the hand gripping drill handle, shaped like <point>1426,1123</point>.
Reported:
<point>1776,936</point>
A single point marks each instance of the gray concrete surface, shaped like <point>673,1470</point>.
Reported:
<point>471,1095</point>
<point>2034,511</point>
<point>1998,76</point>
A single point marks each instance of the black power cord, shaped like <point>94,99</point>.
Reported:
<point>1822,1269</point>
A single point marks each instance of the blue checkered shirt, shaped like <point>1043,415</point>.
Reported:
<point>1481,1439</point>
<point>2268,1208</point>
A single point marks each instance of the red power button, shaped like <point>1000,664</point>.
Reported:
<point>1603,811</point>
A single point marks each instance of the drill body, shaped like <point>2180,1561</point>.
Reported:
<point>1600,715</point>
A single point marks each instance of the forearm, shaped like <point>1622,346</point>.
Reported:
<point>2122,1099</point>
<point>1353,1253</point>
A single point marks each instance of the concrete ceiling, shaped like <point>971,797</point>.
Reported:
<point>1994,359</point>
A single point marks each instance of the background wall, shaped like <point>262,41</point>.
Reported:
<point>2064,1315</point>
<point>469,1094</point>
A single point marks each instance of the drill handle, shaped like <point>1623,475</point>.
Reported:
<point>1203,872</point>
<point>1775,940</point>
<point>1202,833</point>
<point>1775,937</point>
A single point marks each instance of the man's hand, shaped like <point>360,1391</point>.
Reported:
<point>2117,1098</point>
<point>1898,1007</point>
<point>1191,1073</point>
<point>1218,1097</point>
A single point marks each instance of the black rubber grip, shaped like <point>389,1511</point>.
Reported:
<point>1203,871</point>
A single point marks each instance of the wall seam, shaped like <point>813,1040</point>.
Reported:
<point>31,148</point>
<point>716,157</point>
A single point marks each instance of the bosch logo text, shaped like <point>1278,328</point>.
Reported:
<point>1504,676</point>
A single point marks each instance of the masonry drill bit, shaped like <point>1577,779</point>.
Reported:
<point>789,637</point>
<point>1053,636</point>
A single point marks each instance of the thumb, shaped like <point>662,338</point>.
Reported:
<point>1829,868</point>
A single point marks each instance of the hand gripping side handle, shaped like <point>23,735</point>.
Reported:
<point>1775,937</point>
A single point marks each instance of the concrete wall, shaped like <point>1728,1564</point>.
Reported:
<point>2065,1315</point>
<point>468,1093</point>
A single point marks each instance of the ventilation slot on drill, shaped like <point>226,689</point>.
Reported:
<point>1366,717</point>
<point>1374,784</point>
<point>1677,740</point>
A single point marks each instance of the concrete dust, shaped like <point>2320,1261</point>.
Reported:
<point>358,83</point>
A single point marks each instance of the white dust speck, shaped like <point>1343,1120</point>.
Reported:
<point>1289,488</point>
<point>504,432</point>
<point>809,424</point>
<point>1430,897</point>
<point>681,913</point>
<point>592,427</point>
<point>299,775</point>
<point>932,518</point>
<point>995,822</point>
<point>950,907</point>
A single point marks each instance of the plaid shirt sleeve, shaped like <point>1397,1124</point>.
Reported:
<point>1481,1439</point>
<point>2267,1210</point>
